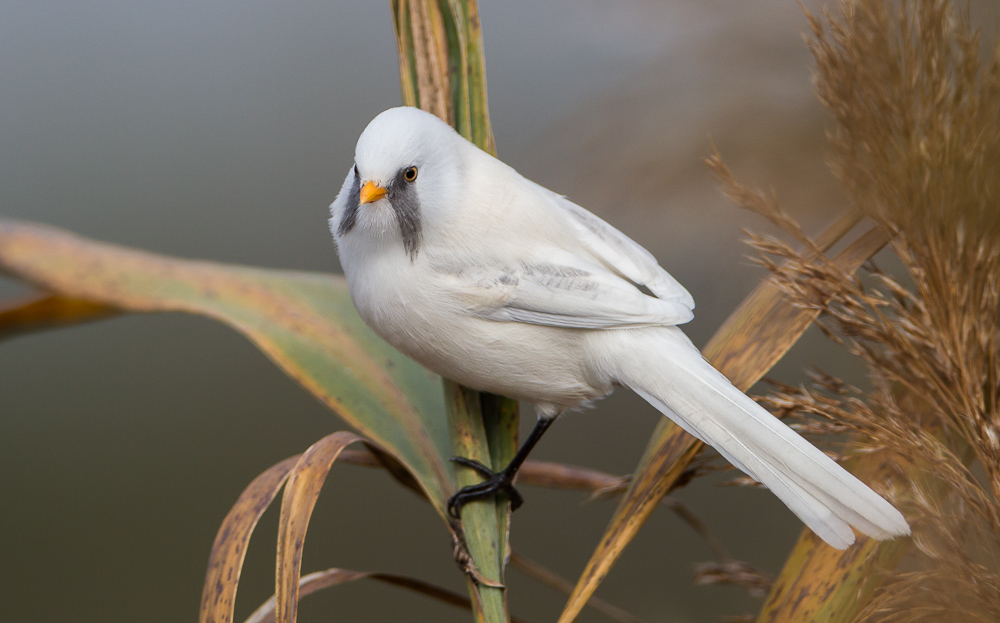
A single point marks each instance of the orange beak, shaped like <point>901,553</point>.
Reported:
<point>370,192</point>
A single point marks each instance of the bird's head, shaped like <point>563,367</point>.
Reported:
<point>407,163</point>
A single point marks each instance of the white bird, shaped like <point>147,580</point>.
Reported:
<point>493,281</point>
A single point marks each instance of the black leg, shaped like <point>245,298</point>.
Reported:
<point>497,481</point>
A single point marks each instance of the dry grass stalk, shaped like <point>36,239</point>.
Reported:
<point>917,147</point>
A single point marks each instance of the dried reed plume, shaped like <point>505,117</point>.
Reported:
<point>916,146</point>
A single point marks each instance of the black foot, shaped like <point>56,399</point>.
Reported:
<point>495,481</point>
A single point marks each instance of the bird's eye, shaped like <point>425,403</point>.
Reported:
<point>410,174</point>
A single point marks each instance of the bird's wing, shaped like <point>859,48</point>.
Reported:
<point>622,254</point>
<point>560,290</point>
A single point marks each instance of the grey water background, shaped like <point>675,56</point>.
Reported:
<point>222,131</point>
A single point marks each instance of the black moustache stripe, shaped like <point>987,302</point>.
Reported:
<point>353,205</point>
<point>403,197</point>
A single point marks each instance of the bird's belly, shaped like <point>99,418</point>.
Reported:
<point>526,362</point>
<point>538,364</point>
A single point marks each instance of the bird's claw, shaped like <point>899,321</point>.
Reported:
<point>481,469</point>
<point>495,482</point>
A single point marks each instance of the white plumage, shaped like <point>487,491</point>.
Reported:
<point>502,285</point>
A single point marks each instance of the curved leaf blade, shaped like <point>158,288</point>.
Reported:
<point>40,312</point>
<point>329,578</point>
<point>225,564</point>
<point>304,484</point>
<point>305,322</point>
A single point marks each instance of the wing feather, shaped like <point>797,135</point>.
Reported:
<point>623,254</point>
<point>562,290</point>
<point>576,272</point>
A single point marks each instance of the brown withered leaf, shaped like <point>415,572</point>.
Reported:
<point>38,312</point>
<point>218,598</point>
<point>335,577</point>
<point>533,473</point>
<point>301,492</point>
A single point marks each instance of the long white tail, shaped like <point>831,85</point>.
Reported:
<point>664,367</point>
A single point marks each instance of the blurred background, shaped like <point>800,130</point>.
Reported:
<point>223,131</point>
